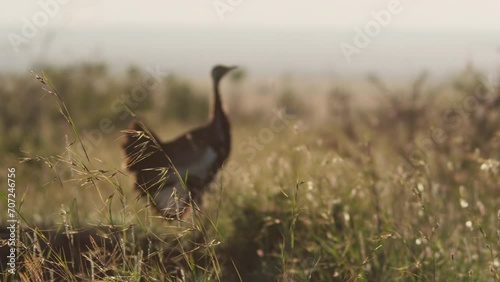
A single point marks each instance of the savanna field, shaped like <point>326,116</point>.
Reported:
<point>327,180</point>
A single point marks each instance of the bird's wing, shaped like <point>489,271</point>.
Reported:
<point>192,158</point>
<point>142,150</point>
<point>196,157</point>
<point>187,148</point>
<point>165,191</point>
<point>164,187</point>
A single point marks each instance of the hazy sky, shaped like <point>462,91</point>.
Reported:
<point>266,35</point>
<point>421,14</point>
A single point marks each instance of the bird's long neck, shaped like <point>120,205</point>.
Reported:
<point>218,113</point>
<point>219,121</point>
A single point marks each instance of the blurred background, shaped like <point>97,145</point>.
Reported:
<point>267,38</point>
<point>388,166</point>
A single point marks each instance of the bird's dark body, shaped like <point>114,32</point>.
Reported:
<point>197,156</point>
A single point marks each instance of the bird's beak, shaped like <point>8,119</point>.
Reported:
<point>233,67</point>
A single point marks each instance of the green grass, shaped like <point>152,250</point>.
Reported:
<point>328,198</point>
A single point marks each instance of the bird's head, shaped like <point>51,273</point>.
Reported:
<point>219,71</point>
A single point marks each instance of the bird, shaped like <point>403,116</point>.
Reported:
<point>171,174</point>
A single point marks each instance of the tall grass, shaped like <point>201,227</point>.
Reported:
<point>359,194</point>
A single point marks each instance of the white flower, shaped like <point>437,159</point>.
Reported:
<point>469,224</point>
<point>464,204</point>
<point>310,185</point>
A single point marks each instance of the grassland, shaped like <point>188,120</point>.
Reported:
<point>400,183</point>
